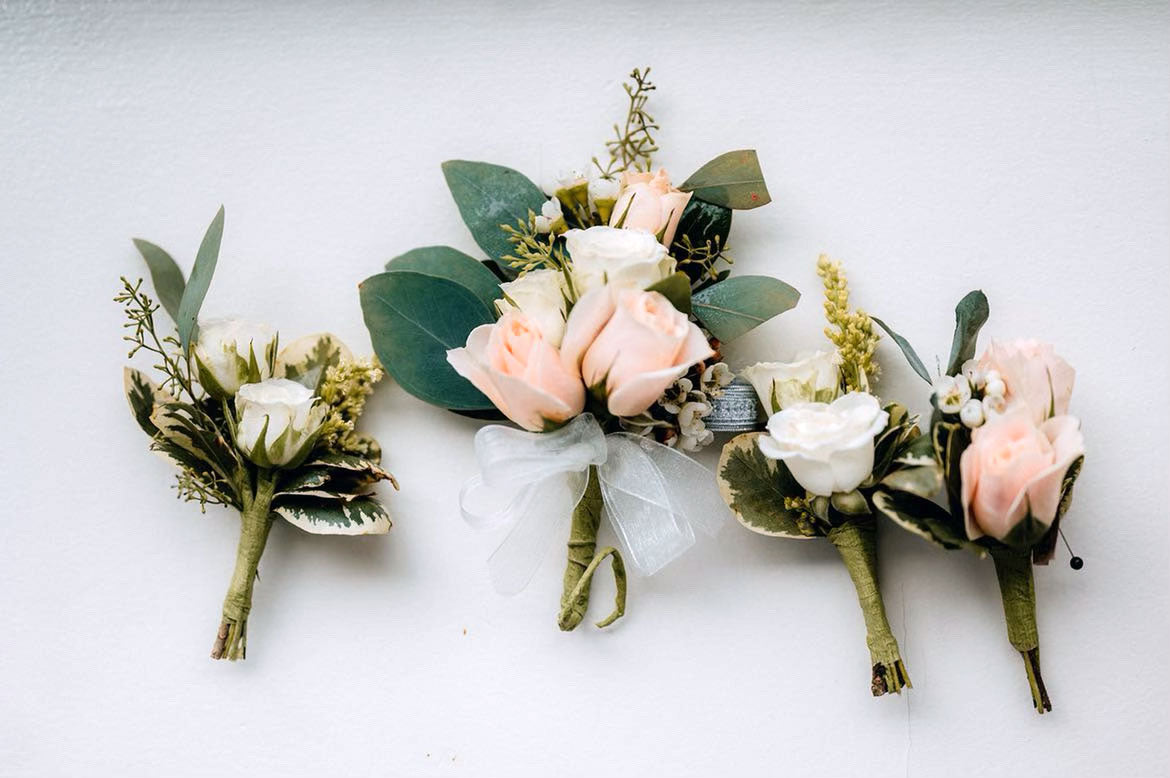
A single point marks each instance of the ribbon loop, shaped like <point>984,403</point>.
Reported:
<point>654,495</point>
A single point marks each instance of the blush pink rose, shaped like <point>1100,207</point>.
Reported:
<point>520,372</point>
<point>634,341</point>
<point>1033,374</point>
<point>648,202</point>
<point>1014,467</point>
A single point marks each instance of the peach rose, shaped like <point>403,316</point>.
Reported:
<point>520,372</point>
<point>648,202</point>
<point>634,341</point>
<point>1014,468</point>
<point>1033,374</point>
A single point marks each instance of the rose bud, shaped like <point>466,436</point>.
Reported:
<point>625,258</point>
<point>231,352</point>
<point>828,447</point>
<point>520,371</point>
<point>278,422</point>
<point>813,377</point>
<point>634,344</point>
<point>648,202</point>
<point>1014,469</point>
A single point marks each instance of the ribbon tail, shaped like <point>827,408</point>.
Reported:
<point>638,503</point>
<point>542,516</point>
<point>656,497</point>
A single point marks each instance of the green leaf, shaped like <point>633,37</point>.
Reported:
<point>488,196</point>
<point>1044,549</point>
<point>324,516</point>
<point>970,315</point>
<point>754,487</point>
<point>200,280</point>
<point>702,223</point>
<point>849,503</point>
<point>413,320</point>
<point>732,180</point>
<point>143,394</point>
<point>676,288</point>
<point>923,481</point>
<point>446,262</point>
<point>307,358</point>
<point>165,275</point>
<point>907,350</point>
<point>923,518</point>
<point>735,306</point>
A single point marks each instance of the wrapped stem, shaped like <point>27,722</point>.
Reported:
<point>583,561</point>
<point>255,521</point>
<point>856,541</point>
<point>1017,589</point>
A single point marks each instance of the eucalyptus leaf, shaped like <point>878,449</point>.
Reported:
<point>200,280</point>
<point>446,262</point>
<point>907,350</point>
<point>165,274</point>
<point>701,223</point>
<point>733,180</point>
<point>414,319</point>
<point>323,516</point>
<point>739,304</point>
<point>970,315</point>
<point>676,288</point>
<point>754,487</point>
<point>488,196</point>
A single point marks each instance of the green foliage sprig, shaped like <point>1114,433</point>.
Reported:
<point>633,144</point>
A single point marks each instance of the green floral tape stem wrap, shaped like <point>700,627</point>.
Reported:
<point>856,541</point>
<point>1013,570</point>
<point>583,562</point>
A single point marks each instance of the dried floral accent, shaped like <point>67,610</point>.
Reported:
<point>852,332</point>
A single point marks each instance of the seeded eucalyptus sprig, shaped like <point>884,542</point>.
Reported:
<point>271,435</point>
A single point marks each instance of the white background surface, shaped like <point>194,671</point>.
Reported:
<point>932,147</point>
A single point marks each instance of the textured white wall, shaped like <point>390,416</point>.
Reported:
<point>934,147</point>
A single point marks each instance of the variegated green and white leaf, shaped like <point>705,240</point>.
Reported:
<point>306,359</point>
<point>923,518</point>
<point>143,395</point>
<point>353,463</point>
<point>923,481</point>
<point>360,516</point>
<point>754,487</point>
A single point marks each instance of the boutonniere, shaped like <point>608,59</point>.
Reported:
<point>595,325</point>
<point>268,431</point>
<point>831,457</point>
<point>1010,453</point>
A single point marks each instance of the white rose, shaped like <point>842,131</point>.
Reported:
<point>630,259</point>
<point>539,294</point>
<point>231,352</point>
<point>812,377</point>
<point>278,422</point>
<point>828,448</point>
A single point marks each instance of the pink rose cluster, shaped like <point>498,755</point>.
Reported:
<point>1017,461</point>
<point>632,343</point>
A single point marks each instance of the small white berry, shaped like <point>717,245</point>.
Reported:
<point>971,414</point>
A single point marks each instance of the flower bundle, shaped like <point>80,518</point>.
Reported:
<point>268,431</point>
<point>595,325</point>
<point>832,455</point>
<point>1009,453</point>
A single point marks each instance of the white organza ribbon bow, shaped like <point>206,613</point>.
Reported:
<point>655,496</point>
